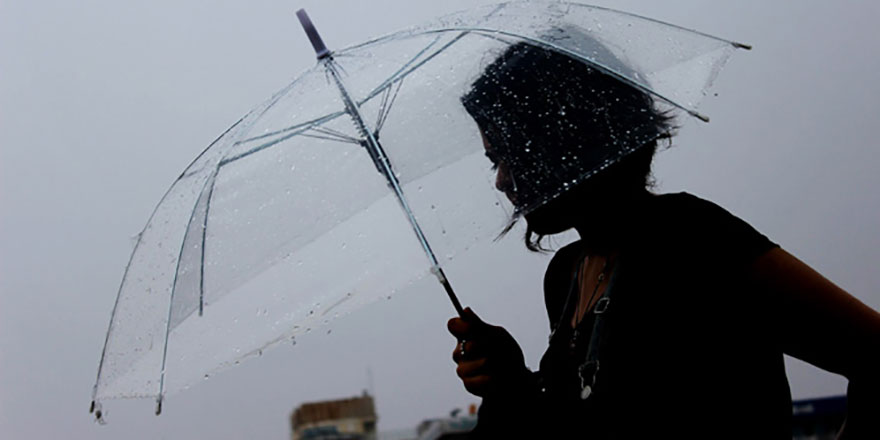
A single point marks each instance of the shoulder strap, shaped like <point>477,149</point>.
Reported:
<point>590,368</point>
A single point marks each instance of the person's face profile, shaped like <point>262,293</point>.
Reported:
<point>503,179</point>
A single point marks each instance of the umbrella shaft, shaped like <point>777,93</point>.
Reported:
<point>380,159</point>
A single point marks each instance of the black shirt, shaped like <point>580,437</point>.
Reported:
<point>689,347</point>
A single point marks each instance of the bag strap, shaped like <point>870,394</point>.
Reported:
<point>588,370</point>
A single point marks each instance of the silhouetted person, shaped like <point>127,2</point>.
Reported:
<point>670,316</point>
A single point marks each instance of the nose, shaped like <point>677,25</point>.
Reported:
<point>504,181</point>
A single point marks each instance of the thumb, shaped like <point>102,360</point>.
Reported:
<point>471,317</point>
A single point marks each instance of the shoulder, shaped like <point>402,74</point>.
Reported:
<point>686,207</point>
<point>693,224</point>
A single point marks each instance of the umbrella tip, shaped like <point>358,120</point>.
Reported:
<point>96,409</point>
<point>700,116</point>
<point>159,405</point>
<point>317,43</point>
<point>742,46</point>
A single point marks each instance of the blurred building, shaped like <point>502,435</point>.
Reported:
<point>344,419</point>
<point>456,426</point>
<point>818,419</point>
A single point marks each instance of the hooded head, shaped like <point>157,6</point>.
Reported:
<point>555,123</point>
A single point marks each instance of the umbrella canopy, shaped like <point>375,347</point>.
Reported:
<point>292,218</point>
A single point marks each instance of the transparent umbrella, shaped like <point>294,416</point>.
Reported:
<point>292,217</point>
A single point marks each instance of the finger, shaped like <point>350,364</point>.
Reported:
<point>472,368</point>
<point>460,352</point>
<point>460,328</point>
<point>468,325</point>
<point>477,385</point>
<point>469,350</point>
<point>471,317</point>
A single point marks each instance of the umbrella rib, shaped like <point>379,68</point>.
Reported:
<point>212,180</point>
<point>332,131</point>
<point>380,119</point>
<point>269,103</point>
<point>345,298</point>
<point>416,31</point>
<point>393,77</point>
<point>128,266</point>
<point>653,20</point>
<point>192,215</point>
<point>574,55</point>
<point>397,76</point>
<point>387,110</point>
<point>238,124</point>
<point>271,143</point>
<point>409,67</point>
<point>602,67</point>
<point>329,138</point>
<point>290,128</point>
<point>408,32</point>
<point>384,102</point>
<point>336,133</point>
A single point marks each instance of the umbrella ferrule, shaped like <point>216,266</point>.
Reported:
<point>438,273</point>
<point>317,43</point>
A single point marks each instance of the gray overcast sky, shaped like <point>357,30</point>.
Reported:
<point>103,103</point>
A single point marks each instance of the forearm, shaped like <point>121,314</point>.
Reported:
<point>824,325</point>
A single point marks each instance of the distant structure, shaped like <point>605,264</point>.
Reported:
<point>818,419</point>
<point>345,419</point>
<point>456,426</point>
